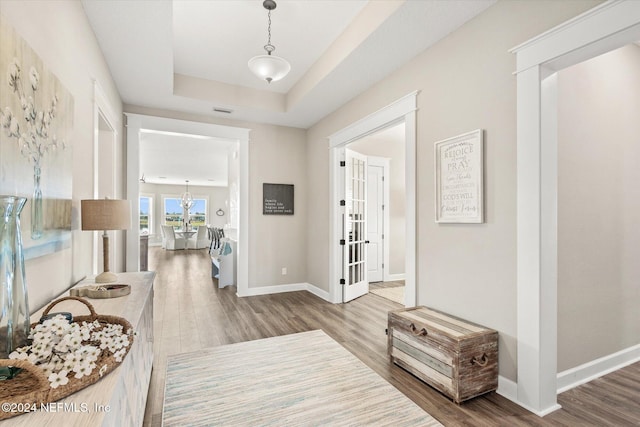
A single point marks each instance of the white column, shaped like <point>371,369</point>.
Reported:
<point>537,246</point>
<point>133,125</point>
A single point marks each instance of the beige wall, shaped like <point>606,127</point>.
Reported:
<point>599,207</point>
<point>466,82</point>
<point>59,33</point>
<point>217,197</point>
<point>277,154</point>
<point>390,145</point>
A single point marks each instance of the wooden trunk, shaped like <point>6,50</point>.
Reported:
<point>456,357</point>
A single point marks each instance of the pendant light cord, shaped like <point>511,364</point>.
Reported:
<point>269,47</point>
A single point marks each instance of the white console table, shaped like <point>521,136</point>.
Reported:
<point>120,397</point>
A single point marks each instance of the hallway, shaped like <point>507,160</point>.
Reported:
<point>191,313</point>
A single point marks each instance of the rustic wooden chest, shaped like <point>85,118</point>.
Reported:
<point>456,357</point>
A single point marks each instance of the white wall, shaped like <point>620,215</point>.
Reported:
<point>466,82</point>
<point>60,34</point>
<point>217,200</point>
<point>599,207</point>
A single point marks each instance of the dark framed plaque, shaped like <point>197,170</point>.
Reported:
<point>277,199</point>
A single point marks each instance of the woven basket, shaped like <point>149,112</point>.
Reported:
<point>31,387</point>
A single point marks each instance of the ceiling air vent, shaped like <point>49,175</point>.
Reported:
<point>222,110</point>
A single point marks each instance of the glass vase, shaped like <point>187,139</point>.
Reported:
<point>36,205</point>
<point>14,302</point>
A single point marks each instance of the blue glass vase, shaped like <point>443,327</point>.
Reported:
<point>14,301</point>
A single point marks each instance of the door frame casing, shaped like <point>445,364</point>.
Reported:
<point>103,111</point>
<point>402,110</point>
<point>136,122</point>
<point>604,28</point>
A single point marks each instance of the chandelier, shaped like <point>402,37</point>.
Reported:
<point>187,199</point>
<point>269,67</point>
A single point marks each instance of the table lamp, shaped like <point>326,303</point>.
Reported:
<point>105,214</point>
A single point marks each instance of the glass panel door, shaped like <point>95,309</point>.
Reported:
<point>355,226</point>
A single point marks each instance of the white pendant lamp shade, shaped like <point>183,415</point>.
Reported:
<point>269,67</point>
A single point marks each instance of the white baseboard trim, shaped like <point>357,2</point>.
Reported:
<point>291,287</point>
<point>394,277</point>
<point>596,368</point>
<point>509,390</point>
<point>574,377</point>
<point>320,293</point>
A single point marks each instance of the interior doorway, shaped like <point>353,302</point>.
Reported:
<point>397,113</point>
<point>239,215</point>
<point>385,151</point>
<point>106,167</point>
<point>599,30</point>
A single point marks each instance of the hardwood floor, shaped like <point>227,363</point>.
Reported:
<point>191,313</point>
<point>380,285</point>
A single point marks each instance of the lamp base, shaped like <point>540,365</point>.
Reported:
<point>106,277</point>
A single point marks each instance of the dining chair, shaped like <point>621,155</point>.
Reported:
<point>171,241</point>
<point>200,240</point>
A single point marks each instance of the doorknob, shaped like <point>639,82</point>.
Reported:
<point>366,241</point>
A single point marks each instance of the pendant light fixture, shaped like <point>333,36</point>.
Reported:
<point>187,198</point>
<point>269,67</point>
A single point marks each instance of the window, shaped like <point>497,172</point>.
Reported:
<point>198,213</point>
<point>173,214</point>
<point>146,214</point>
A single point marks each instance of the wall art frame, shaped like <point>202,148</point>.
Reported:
<point>277,199</point>
<point>36,130</point>
<point>459,178</point>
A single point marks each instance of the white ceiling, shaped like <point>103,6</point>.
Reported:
<point>170,159</point>
<point>191,56</point>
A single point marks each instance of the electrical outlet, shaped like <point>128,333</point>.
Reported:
<point>284,271</point>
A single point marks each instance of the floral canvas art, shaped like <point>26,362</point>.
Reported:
<point>36,125</point>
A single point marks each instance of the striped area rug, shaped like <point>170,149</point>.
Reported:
<point>293,380</point>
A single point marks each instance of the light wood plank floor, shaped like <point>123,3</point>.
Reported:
<point>191,313</point>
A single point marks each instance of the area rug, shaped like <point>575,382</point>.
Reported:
<point>293,380</point>
<point>395,294</point>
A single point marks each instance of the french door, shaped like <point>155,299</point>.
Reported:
<point>355,227</point>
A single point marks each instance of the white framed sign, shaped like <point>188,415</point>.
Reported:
<point>459,179</point>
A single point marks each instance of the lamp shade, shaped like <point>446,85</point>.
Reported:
<point>105,214</point>
<point>269,67</point>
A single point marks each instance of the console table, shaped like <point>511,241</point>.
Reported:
<point>120,397</point>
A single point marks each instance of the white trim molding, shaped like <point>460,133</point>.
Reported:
<point>291,287</point>
<point>601,29</point>
<point>394,277</point>
<point>402,110</point>
<point>596,368</point>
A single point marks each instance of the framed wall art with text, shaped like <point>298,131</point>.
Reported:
<point>459,178</point>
